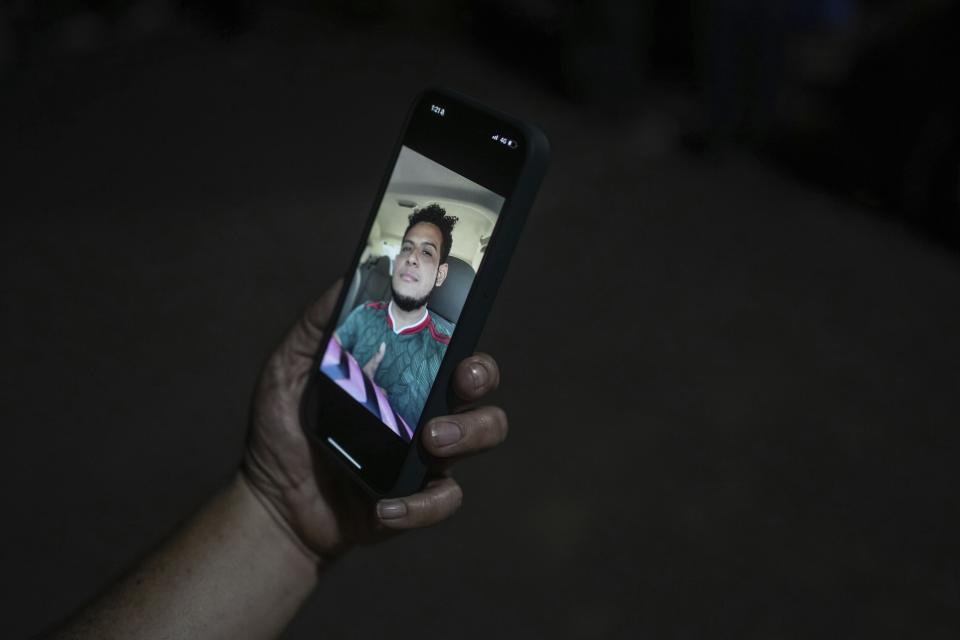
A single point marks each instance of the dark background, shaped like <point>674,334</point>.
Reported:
<point>728,337</point>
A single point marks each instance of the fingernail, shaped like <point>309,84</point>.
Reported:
<point>391,509</point>
<point>479,374</point>
<point>444,433</point>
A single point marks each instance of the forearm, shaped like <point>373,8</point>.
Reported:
<point>231,572</point>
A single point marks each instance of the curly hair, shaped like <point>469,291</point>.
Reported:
<point>437,216</point>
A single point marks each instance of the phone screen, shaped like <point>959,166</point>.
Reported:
<point>425,246</point>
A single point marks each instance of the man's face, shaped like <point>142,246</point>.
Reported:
<point>418,270</point>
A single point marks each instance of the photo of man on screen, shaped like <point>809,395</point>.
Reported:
<point>399,343</point>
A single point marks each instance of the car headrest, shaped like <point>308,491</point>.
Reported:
<point>375,281</point>
<point>447,300</point>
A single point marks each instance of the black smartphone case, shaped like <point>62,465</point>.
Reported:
<point>473,316</point>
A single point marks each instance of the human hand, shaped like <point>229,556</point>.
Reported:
<point>374,363</point>
<point>323,510</point>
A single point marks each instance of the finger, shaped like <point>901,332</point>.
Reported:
<point>439,500</point>
<point>304,338</point>
<point>466,433</point>
<point>475,377</point>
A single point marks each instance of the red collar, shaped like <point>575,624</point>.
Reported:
<point>414,328</point>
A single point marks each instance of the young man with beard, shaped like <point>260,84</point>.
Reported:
<point>399,341</point>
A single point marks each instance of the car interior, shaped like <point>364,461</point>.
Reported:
<point>416,185</point>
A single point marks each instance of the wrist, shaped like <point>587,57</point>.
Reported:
<point>277,526</point>
<point>230,571</point>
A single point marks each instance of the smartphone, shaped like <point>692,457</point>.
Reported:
<point>433,251</point>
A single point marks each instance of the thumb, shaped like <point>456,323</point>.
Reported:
<point>304,338</point>
<point>374,362</point>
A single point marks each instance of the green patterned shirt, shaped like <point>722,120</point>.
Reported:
<point>411,358</point>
